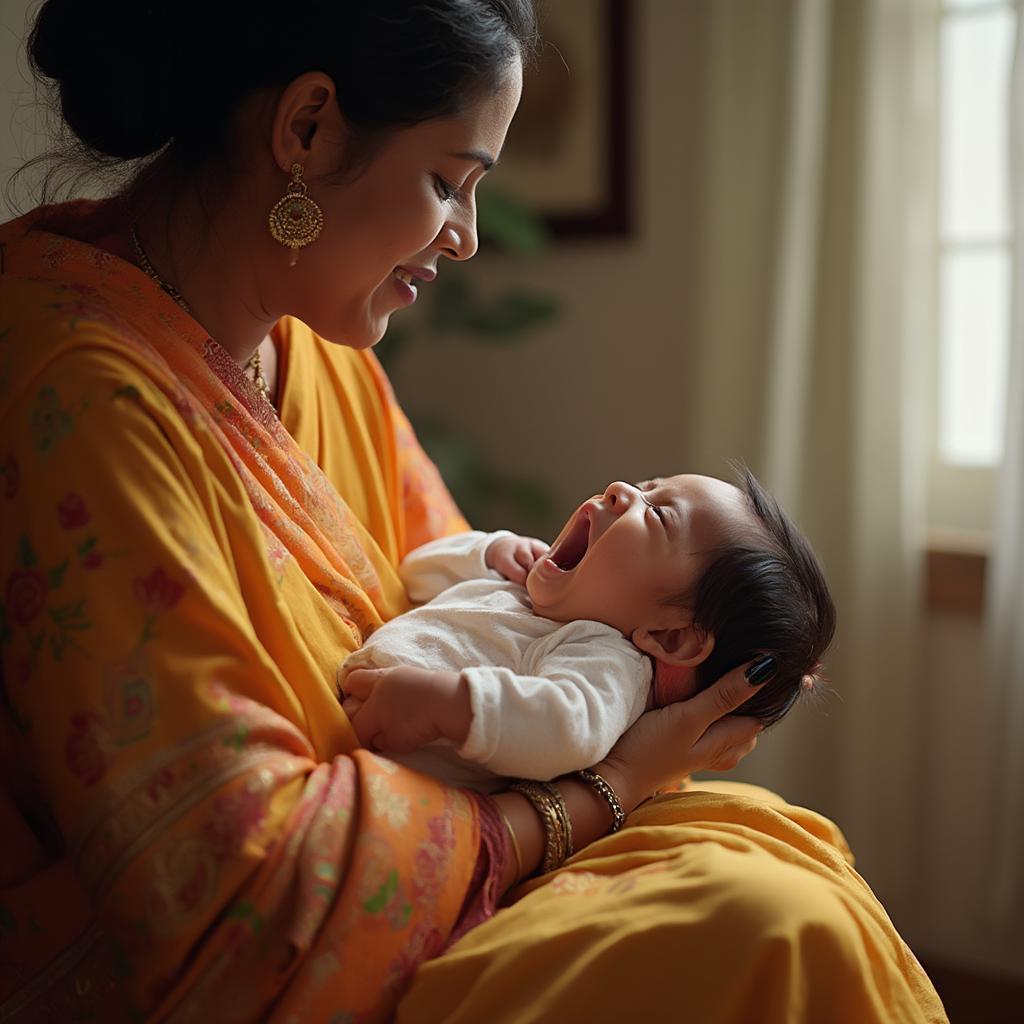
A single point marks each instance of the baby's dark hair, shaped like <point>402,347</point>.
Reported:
<point>763,592</point>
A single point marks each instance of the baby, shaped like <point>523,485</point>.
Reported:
<point>529,661</point>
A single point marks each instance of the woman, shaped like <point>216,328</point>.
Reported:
<point>206,490</point>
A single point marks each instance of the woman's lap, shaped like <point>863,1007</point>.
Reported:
<point>708,906</point>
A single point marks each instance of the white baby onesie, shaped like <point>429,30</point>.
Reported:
<point>547,697</point>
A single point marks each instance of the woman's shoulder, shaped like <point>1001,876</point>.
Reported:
<point>61,301</point>
<point>50,334</point>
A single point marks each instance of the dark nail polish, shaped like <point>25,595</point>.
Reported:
<point>761,670</point>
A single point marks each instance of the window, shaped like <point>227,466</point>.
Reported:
<point>975,245</point>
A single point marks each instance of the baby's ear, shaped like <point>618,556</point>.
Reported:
<point>686,646</point>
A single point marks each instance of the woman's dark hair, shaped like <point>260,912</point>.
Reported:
<point>764,592</point>
<point>137,78</point>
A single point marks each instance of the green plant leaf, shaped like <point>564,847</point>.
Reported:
<point>509,224</point>
<point>510,315</point>
<point>452,305</point>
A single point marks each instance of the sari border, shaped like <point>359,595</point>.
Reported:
<point>132,846</point>
<point>49,977</point>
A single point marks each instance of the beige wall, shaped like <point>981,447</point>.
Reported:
<point>602,393</point>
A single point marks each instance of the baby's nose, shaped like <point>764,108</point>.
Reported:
<point>619,495</point>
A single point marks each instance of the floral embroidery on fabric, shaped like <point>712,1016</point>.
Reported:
<point>381,890</point>
<point>157,592</point>
<point>27,597</point>
<point>237,816</point>
<point>393,806</point>
<point>49,421</point>
<point>27,592</point>
<point>128,699</point>
<point>185,879</point>
<point>71,512</point>
<point>87,748</point>
<point>83,302</point>
<point>204,822</point>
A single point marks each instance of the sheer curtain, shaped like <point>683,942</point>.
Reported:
<point>1005,605</point>
<point>813,356</point>
<point>814,328</point>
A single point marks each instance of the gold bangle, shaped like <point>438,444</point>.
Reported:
<point>554,819</point>
<point>516,852</point>
<point>605,791</point>
<point>564,822</point>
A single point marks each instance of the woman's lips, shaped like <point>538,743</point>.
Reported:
<point>405,288</point>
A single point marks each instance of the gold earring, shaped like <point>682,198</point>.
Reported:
<point>295,220</point>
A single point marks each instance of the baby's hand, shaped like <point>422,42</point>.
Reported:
<point>395,710</point>
<point>514,556</point>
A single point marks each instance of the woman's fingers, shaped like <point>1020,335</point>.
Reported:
<point>733,689</point>
<point>726,742</point>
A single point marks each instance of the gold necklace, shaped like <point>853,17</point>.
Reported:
<point>255,362</point>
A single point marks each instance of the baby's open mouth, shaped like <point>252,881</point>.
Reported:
<point>569,551</point>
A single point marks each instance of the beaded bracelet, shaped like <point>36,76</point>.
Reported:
<point>605,791</point>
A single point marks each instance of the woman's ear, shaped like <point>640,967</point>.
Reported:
<point>684,645</point>
<point>308,128</point>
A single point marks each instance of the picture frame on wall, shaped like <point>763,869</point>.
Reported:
<point>567,153</point>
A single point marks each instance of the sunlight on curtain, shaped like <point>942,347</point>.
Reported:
<point>1005,610</point>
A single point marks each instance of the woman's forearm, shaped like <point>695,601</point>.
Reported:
<point>589,814</point>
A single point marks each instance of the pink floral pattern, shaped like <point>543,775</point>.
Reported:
<point>85,748</point>
<point>71,512</point>
<point>157,592</point>
<point>193,797</point>
<point>27,594</point>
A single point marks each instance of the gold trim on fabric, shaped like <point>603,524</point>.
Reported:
<point>125,787</point>
<point>130,848</point>
<point>50,976</point>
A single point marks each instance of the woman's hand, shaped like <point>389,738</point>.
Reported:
<point>514,556</point>
<point>665,744</point>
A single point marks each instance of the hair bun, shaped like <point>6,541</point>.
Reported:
<point>110,61</point>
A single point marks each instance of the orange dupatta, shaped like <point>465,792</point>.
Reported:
<point>192,827</point>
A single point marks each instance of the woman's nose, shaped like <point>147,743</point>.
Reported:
<point>458,238</point>
<point>619,495</point>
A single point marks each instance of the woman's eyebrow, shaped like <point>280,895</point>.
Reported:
<point>479,156</point>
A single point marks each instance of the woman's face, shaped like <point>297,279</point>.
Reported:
<point>386,230</point>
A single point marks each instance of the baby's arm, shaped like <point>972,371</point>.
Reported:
<point>589,687</point>
<point>584,690</point>
<point>434,567</point>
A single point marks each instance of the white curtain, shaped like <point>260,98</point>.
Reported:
<point>1005,605</point>
<point>815,361</point>
<point>814,330</point>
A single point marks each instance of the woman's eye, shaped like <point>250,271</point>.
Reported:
<point>445,190</point>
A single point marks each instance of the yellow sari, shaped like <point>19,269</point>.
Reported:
<point>189,829</point>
